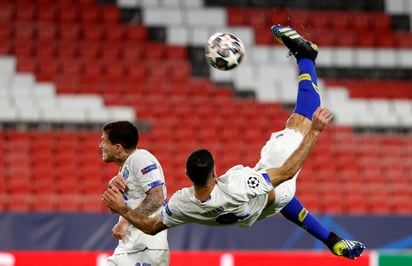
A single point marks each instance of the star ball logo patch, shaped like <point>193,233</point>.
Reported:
<point>253,182</point>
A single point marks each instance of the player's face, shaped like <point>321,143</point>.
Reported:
<point>109,150</point>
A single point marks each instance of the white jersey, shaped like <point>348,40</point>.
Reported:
<point>142,171</point>
<point>240,195</point>
<point>238,199</point>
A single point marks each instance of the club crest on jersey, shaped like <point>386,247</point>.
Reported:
<point>253,182</point>
<point>126,173</point>
<point>149,168</point>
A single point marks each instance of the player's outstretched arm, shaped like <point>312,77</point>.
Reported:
<point>321,117</point>
<point>113,199</point>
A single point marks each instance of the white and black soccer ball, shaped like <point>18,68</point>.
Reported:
<point>224,51</point>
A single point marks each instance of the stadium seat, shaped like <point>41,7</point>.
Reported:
<point>175,52</point>
<point>89,50</point>
<point>360,21</point>
<point>403,39</point>
<point>92,203</point>
<point>5,48</point>
<point>22,48</point>
<point>277,16</point>
<point>262,38</point>
<point>24,31</point>
<point>47,13</point>
<point>42,185</point>
<point>344,21</point>
<point>89,15</point>
<point>69,32</point>
<point>368,39</point>
<point>354,203</point>
<point>111,51</point>
<point>27,65</point>
<point>47,70</point>
<point>92,32</point>
<point>379,205</point>
<point>67,14</point>
<point>44,49</point>
<point>321,21</point>
<point>71,67</point>
<point>300,17</point>
<point>110,15</point>
<point>26,12</point>
<point>47,32</point>
<point>66,50</point>
<point>114,33</point>
<point>331,200</point>
<point>154,51</point>
<point>7,12</point>
<point>236,16</point>
<point>256,18</point>
<point>136,33</point>
<point>132,53</point>
<point>44,203</point>
<point>68,203</point>
<point>381,22</point>
<point>18,203</point>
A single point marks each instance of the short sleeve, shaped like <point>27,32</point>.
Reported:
<point>148,173</point>
<point>245,184</point>
<point>170,214</point>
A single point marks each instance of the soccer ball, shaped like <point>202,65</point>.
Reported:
<point>224,51</point>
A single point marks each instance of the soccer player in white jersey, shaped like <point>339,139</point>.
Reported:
<point>243,195</point>
<point>146,193</point>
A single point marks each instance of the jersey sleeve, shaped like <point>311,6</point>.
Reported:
<point>148,171</point>
<point>170,213</point>
<point>245,184</point>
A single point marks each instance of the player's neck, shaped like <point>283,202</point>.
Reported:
<point>123,157</point>
<point>203,192</point>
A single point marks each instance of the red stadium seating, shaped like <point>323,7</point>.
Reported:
<point>84,48</point>
<point>47,32</point>
<point>27,65</point>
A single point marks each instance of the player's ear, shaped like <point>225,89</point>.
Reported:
<point>119,147</point>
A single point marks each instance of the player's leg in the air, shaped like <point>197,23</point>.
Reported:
<point>308,100</point>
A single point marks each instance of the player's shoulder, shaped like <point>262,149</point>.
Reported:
<point>143,154</point>
<point>236,172</point>
<point>185,191</point>
<point>182,195</point>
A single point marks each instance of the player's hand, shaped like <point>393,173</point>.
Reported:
<point>113,199</point>
<point>119,182</point>
<point>321,117</point>
<point>119,230</point>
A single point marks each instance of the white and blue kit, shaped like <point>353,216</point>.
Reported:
<point>142,172</point>
<point>240,195</point>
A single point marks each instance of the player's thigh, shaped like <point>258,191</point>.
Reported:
<point>112,260</point>
<point>279,147</point>
<point>284,193</point>
<point>141,258</point>
<point>156,257</point>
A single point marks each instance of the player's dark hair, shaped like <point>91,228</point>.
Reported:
<point>123,133</point>
<point>200,166</point>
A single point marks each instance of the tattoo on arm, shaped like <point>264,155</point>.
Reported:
<point>152,202</point>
